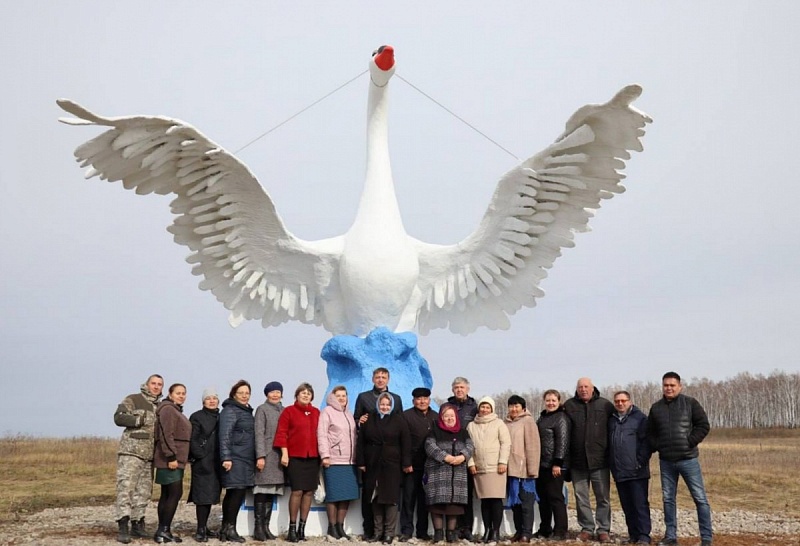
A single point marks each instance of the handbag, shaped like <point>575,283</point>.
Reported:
<point>319,492</point>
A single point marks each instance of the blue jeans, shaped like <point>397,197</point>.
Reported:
<point>689,470</point>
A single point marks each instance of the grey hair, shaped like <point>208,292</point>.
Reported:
<point>458,380</point>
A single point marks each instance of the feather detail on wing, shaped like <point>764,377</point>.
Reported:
<point>536,209</point>
<point>249,260</point>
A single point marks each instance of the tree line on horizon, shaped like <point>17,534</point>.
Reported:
<point>742,401</point>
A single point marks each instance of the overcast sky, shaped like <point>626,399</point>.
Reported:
<point>694,268</point>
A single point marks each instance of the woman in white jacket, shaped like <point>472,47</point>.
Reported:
<point>336,441</point>
<point>489,464</point>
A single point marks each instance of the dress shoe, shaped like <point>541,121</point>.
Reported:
<point>603,538</point>
<point>585,536</point>
<point>404,538</point>
<point>558,536</point>
<point>667,541</point>
<point>388,539</point>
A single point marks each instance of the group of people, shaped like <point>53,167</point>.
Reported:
<point>409,467</point>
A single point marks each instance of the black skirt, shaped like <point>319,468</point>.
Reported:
<point>303,473</point>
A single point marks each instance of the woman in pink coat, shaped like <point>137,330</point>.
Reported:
<point>336,441</point>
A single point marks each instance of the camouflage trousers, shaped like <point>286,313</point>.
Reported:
<point>134,486</point>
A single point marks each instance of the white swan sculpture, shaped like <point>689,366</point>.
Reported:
<point>375,274</point>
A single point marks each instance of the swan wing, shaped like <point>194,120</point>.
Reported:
<point>535,211</point>
<point>248,259</point>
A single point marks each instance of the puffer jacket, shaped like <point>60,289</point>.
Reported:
<point>554,437</point>
<point>237,444</point>
<point>336,433</point>
<point>173,434</point>
<point>523,461</point>
<point>137,413</point>
<point>588,444</point>
<point>628,450</point>
<point>676,427</point>
<point>267,415</point>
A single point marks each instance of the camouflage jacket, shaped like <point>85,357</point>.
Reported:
<point>137,413</point>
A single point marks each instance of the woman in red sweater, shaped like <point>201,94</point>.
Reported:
<point>297,439</point>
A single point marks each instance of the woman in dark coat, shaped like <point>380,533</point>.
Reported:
<point>383,453</point>
<point>204,455</point>
<point>269,472</point>
<point>553,426</point>
<point>237,452</point>
<point>448,447</point>
<point>173,432</point>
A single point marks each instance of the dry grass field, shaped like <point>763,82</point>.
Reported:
<point>744,469</point>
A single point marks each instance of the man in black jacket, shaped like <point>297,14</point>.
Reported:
<point>365,403</point>
<point>676,425</point>
<point>588,413</point>
<point>421,419</point>
<point>467,409</point>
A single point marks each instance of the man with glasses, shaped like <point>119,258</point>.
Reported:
<point>629,459</point>
<point>677,424</point>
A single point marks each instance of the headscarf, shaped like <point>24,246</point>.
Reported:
<point>378,404</point>
<point>442,432</point>
<point>456,427</point>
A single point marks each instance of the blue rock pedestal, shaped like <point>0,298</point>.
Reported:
<point>351,361</point>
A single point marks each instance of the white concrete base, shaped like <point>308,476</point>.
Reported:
<point>317,524</point>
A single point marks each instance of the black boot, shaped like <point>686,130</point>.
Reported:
<point>340,530</point>
<point>333,532</point>
<point>452,536</point>
<point>487,534</point>
<point>291,536</point>
<point>163,535</point>
<point>267,517</point>
<point>438,535</point>
<point>495,536</point>
<point>212,534</point>
<point>123,536</point>
<point>175,538</point>
<point>201,535</point>
<point>259,515</point>
<point>231,535</point>
<point>137,528</point>
<point>301,530</point>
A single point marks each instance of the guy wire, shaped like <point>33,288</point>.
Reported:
<point>290,118</point>
<point>351,80</point>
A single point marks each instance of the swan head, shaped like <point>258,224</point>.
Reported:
<point>381,66</point>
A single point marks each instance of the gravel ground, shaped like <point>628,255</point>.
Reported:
<point>89,525</point>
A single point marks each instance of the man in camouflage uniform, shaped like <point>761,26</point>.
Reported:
<point>137,413</point>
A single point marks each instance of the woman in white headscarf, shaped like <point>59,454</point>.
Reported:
<point>489,464</point>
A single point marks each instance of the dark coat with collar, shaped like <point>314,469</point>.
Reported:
<point>628,448</point>
<point>204,456</point>
<point>419,425</point>
<point>365,403</point>
<point>384,448</point>
<point>588,444</point>
<point>237,444</point>
<point>467,409</point>
<point>554,437</point>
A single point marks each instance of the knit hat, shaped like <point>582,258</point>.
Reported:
<point>210,392</point>
<point>273,386</point>
<point>486,400</point>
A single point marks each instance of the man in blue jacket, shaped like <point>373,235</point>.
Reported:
<point>629,459</point>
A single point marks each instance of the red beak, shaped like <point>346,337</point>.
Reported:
<point>385,57</point>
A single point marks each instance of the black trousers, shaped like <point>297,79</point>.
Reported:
<point>636,506</point>
<point>552,505</point>
<point>523,514</point>
<point>466,520</point>
<point>366,508</point>
<point>413,501</point>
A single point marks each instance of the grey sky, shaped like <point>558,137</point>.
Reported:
<point>694,268</point>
